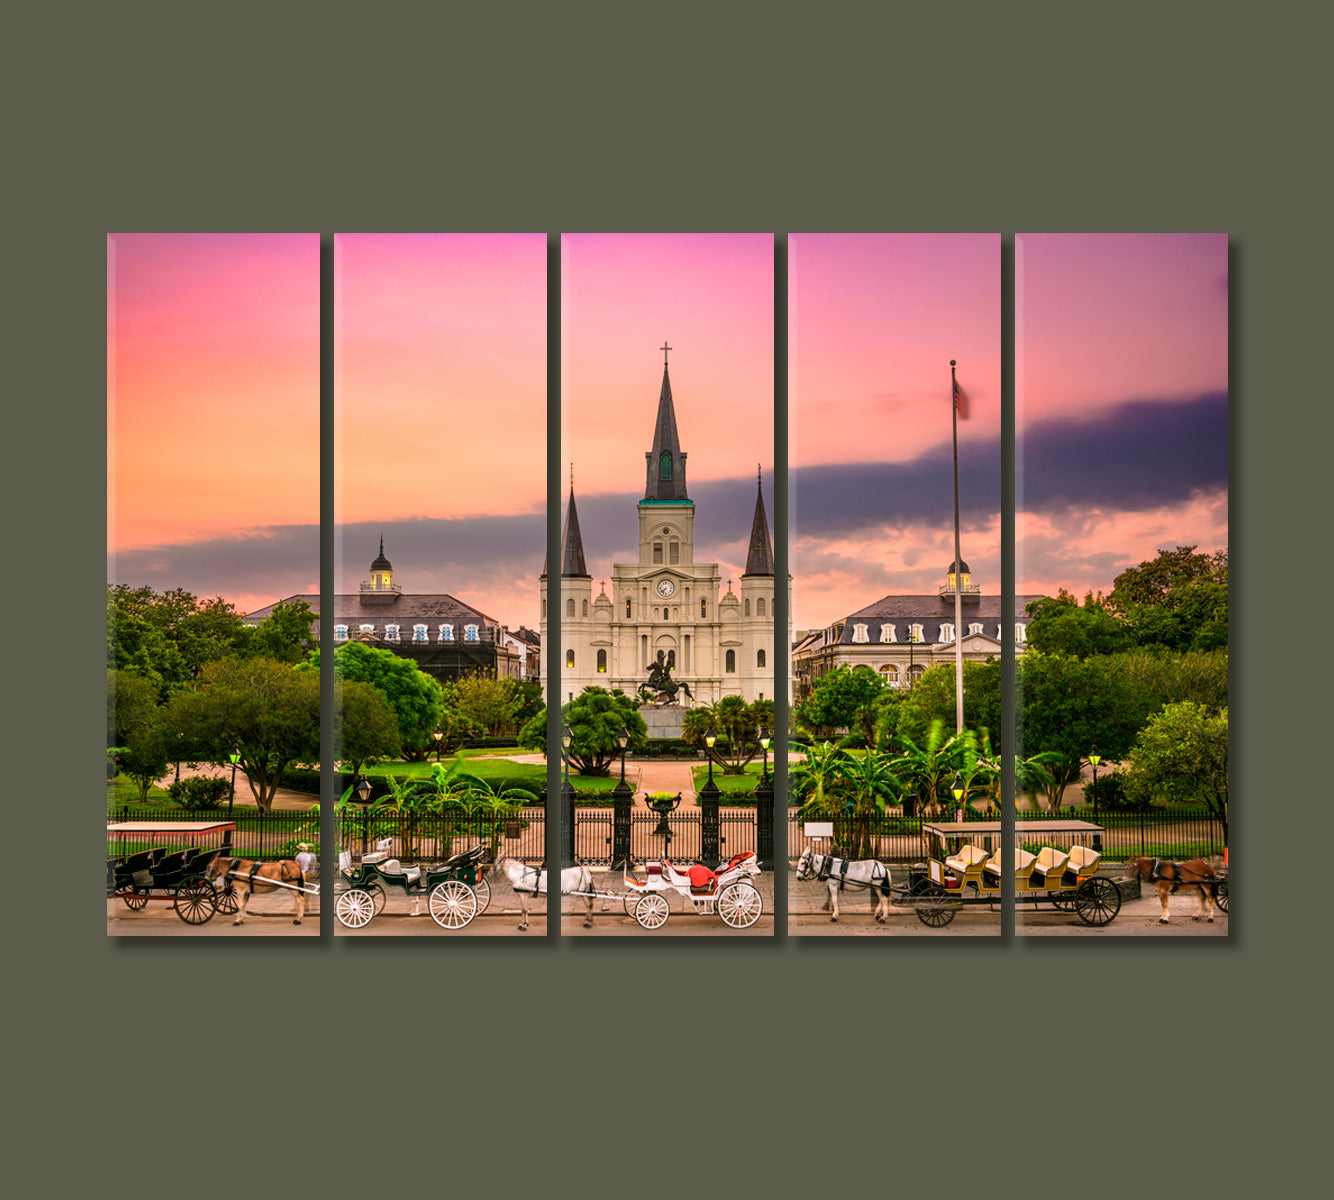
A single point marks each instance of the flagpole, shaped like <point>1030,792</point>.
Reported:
<point>958,564</point>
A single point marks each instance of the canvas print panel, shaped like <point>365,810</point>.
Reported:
<point>1122,551</point>
<point>666,584</point>
<point>894,392</point>
<point>440,477</point>
<point>213,360</point>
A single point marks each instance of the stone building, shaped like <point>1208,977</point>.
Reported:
<point>719,643</point>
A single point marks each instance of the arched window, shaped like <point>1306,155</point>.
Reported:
<point>759,658</point>
<point>747,606</point>
<point>665,465</point>
<point>569,609</point>
<point>731,662</point>
<point>890,674</point>
<point>544,608</point>
<point>569,660</point>
<point>602,662</point>
<point>585,604</point>
<point>703,609</point>
<point>627,608</point>
<point>674,554</point>
<point>915,673</point>
<point>759,607</point>
<point>657,552</point>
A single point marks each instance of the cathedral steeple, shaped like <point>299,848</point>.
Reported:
<point>760,555</point>
<point>666,461</point>
<point>572,545</point>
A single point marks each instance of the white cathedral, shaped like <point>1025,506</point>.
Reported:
<point>667,602</point>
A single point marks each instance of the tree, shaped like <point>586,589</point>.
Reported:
<point>146,754</point>
<point>131,704</point>
<point>933,699</point>
<point>269,712</point>
<point>595,718</point>
<point>284,635</point>
<point>926,769</point>
<point>490,703</point>
<point>1059,625</point>
<point>1176,601</point>
<point>365,727</point>
<point>843,699</point>
<point>1180,757</point>
<point>418,700</point>
<point>168,637</point>
<point>1071,708</point>
<point>1156,678</point>
<point>736,725</point>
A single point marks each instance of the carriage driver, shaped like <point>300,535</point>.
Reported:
<point>304,858</point>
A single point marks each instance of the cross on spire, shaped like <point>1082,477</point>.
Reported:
<point>664,348</point>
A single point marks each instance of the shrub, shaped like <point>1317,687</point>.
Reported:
<point>113,763</point>
<point>1111,794</point>
<point>200,791</point>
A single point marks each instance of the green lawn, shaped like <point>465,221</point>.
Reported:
<point>731,785</point>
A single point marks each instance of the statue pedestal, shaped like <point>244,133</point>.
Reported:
<point>665,722</point>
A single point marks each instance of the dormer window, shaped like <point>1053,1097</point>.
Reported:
<point>975,627</point>
<point>391,633</point>
<point>859,634</point>
<point>368,629</point>
<point>946,631</point>
<point>1020,636</point>
<point>340,633</point>
<point>470,633</point>
<point>889,633</point>
<point>915,633</point>
<point>419,633</point>
<point>446,633</point>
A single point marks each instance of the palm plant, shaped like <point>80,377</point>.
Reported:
<point>865,785</point>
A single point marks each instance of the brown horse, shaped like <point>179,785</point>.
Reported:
<point>246,876</point>
<point>1167,877</point>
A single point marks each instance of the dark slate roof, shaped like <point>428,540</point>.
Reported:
<point>405,612</point>
<point>760,555</point>
<point>665,439</point>
<point>572,564</point>
<point>950,569</point>
<point>381,563</point>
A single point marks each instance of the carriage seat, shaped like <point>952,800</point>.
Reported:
<point>1023,861</point>
<point>1083,862</point>
<point>969,858</point>
<point>345,862</point>
<point>1050,863</point>
<point>394,867</point>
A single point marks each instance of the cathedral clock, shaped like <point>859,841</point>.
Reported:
<point>666,587</point>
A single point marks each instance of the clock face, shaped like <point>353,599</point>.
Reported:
<point>666,587</point>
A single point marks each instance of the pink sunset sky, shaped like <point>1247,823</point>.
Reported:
<point>711,298</point>
<point>213,375</point>
<point>874,320</point>
<point>1121,381</point>
<point>441,400</point>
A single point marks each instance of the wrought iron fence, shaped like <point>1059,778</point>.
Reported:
<point>258,834</point>
<point>434,836</point>
<point>677,835</point>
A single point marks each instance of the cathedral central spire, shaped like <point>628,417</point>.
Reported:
<point>572,544</point>
<point>666,461</point>
<point>760,553</point>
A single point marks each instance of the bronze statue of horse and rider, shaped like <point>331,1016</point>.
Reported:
<point>661,684</point>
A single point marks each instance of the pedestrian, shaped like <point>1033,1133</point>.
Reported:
<point>304,858</point>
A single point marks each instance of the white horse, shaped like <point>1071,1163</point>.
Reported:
<point>529,881</point>
<point>869,873</point>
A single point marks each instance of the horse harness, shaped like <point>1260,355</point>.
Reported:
<point>1156,873</point>
<point>830,867</point>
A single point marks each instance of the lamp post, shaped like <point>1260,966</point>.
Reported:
<point>235,757</point>
<point>1094,760</point>
<point>566,798</point>
<point>622,739</point>
<point>363,790</point>
<point>764,744</point>
<point>566,737</point>
<point>957,790</point>
<point>709,738</point>
<point>439,737</point>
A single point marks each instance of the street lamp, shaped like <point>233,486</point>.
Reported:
<point>957,790</point>
<point>1094,760</point>
<point>439,737</point>
<point>235,756</point>
<point>622,739</point>
<point>364,790</point>
<point>566,737</point>
<point>709,738</point>
<point>764,742</point>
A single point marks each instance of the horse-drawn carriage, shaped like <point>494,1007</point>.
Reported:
<point>727,892</point>
<point>175,873</point>
<point>964,868</point>
<point>455,890</point>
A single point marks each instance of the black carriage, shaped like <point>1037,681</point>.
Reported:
<point>170,872</point>
<point>455,890</point>
<point>964,868</point>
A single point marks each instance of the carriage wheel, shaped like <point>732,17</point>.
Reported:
<point>933,906</point>
<point>1063,901</point>
<point>227,901</point>
<point>482,889</point>
<point>453,904</point>
<point>1097,901</point>
<point>355,907</point>
<point>652,910</point>
<point>1220,894</point>
<point>196,901</point>
<point>632,899</point>
<point>740,905</point>
<point>378,895</point>
<point>137,898</point>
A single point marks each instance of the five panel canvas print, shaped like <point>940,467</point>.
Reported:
<point>654,622</point>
